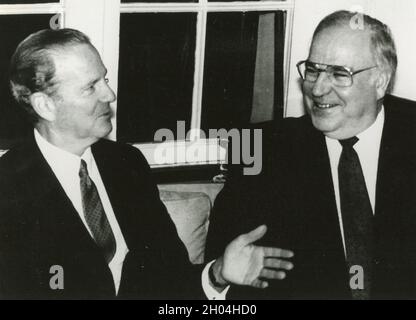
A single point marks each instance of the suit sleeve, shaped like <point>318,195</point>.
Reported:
<point>168,271</point>
<point>17,279</point>
<point>237,207</point>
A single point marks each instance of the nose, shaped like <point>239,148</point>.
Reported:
<point>108,94</point>
<point>322,85</point>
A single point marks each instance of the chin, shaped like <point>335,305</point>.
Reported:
<point>104,130</point>
<point>323,124</point>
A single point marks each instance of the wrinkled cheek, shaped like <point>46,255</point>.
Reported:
<point>64,121</point>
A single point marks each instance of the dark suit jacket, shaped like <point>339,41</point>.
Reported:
<point>294,196</point>
<point>39,228</point>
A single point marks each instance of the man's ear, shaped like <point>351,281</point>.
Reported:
<point>43,106</point>
<point>382,83</point>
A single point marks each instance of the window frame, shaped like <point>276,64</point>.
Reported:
<point>202,8</point>
<point>36,8</point>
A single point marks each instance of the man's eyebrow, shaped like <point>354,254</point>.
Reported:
<point>94,81</point>
<point>311,63</point>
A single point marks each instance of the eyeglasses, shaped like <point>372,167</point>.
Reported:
<point>340,76</point>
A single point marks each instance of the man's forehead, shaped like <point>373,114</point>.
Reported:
<point>81,61</point>
<point>342,45</point>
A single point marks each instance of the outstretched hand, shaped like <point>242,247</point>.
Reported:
<point>244,263</point>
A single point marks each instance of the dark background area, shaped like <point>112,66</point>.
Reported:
<point>14,28</point>
<point>156,70</point>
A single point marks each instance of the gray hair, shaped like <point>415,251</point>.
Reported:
<point>381,38</point>
<point>32,67</point>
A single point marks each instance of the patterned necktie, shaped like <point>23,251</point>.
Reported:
<point>357,215</point>
<point>95,216</point>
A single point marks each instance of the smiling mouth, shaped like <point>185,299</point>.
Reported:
<point>324,106</point>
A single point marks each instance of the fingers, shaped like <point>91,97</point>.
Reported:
<point>269,272</point>
<point>269,275</point>
<point>277,264</point>
<point>261,284</point>
<point>253,235</point>
<point>272,274</point>
<point>277,252</point>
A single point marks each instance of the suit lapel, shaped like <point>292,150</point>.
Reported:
<point>394,172</point>
<point>319,190</point>
<point>395,208</point>
<point>324,249</point>
<point>49,199</point>
<point>62,238</point>
<point>389,178</point>
<point>117,182</point>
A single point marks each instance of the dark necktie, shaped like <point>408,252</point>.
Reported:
<point>95,216</point>
<point>357,215</point>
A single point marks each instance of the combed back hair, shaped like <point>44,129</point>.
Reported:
<point>382,42</point>
<point>32,66</point>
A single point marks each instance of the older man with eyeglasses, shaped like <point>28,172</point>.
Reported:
<point>338,185</point>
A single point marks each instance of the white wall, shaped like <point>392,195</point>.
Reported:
<point>400,15</point>
<point>100,20</point>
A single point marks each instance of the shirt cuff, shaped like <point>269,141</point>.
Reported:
<point>209,291</point>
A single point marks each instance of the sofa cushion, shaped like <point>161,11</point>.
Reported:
<point>190,213</point>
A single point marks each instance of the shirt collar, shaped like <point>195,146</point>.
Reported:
<point>61,161</point>
<point>370,138</point>
<point>373,133</point>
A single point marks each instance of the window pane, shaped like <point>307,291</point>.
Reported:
<point>243,75</point>
<point>13,29</point>
<point>155,73</point>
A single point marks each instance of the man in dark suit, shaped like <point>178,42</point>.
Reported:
<point>338,185</point>
<point>80,216</point>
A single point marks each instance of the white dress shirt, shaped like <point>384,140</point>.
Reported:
<point>367,148</point>
<point>65,166</point>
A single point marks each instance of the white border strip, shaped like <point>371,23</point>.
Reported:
<point>10,9</point>
<point>209,7</point>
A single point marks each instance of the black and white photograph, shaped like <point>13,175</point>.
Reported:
<point>224,152</point>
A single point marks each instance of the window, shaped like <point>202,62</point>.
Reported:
<point>209,65</point>
<point>206,64</point>
<point>17,22</point>
<point>229,97</point>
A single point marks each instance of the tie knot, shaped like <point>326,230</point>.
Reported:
<point>83,171</point>
<point>348,143</point>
